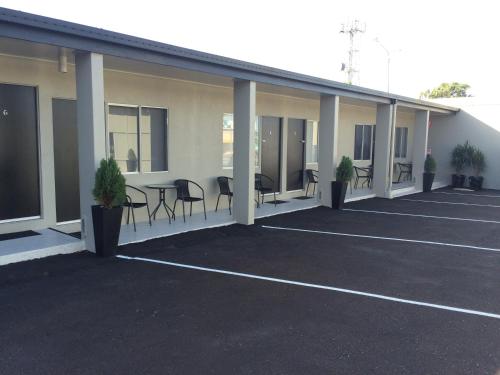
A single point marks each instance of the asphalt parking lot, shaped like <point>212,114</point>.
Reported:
<point>404,286</point>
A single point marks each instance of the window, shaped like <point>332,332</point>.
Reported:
<point>312,142</point>
<point>123,127</point>
<point>363,141</point>
<point>257,141</point>
<point>138,143</point>
<point>228,141</point>
<point>153,140</point>
<point>401,142</point>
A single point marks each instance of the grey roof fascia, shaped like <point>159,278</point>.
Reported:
<point>39,29</point>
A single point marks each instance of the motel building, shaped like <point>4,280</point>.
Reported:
<point>71,95</point>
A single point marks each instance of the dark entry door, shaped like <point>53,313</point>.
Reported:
<point>271,148</point>
<point>19,175</point>
<point>66,160</point>
<point>295,154</point>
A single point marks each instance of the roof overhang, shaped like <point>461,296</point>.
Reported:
<point>38,29</point>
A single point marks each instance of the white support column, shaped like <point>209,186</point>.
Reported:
<point>384,150</point>
<point>327,146</point>
<point>91,132</point>
<point>244,153</point>
<point>420,135</point>
<point>284,155</point>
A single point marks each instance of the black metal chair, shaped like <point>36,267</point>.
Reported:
<point>224,189</point>
<point>184,195</point>
<point>130,204</point>
<point>405,171</point>
<point>264,185</point>
<point>312,178</point>
<point>363,174</point>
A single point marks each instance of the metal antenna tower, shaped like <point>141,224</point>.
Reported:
<point>352,30</point>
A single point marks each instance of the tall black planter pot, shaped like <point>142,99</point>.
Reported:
<point>457,180</point>
<point>476,183</point>
<point>107,224</point>
<point>339,189</point>
<point>428,180</point>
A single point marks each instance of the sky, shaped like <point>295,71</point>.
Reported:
<point>429,42</point>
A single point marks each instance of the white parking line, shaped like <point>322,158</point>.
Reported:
<point>466,194</point>
<point>419,215</point>
<point>455,203</point>
<point>317,286</point>
<point>382,238</point>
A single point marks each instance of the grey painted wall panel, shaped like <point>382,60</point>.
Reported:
<point>66,160</point>
<point>19,174</point>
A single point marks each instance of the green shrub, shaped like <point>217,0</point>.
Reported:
<point>477,161</point>
<point>344,170</point>
<point>469,153</point>
<point>109,188</point>
<point>459,158</point>
<point>430,164</point>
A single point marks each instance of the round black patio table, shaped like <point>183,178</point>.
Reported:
<point>161,191</point>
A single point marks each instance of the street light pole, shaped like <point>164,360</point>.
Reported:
<point>388,62</point>
<point>388,71</point>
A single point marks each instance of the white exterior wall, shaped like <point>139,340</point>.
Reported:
<point>478,122</point>
<point>195,113</point>
<point>287,107</point>
<point>405,118</point>
<point>350,116</point>
<point>50,84</point>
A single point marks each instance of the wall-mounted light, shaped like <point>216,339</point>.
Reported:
<point>63,60</point>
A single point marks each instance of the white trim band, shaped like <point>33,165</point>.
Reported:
<point>455,203</point>
<point>317,286</point>
<point>471,195</point>
<point>383,238</point>
<point>420,215</point>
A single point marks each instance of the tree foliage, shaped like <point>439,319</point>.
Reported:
<point>109,189</point>
<point>446,90</point>
<point>344,169</point>
<point>478,161</point>
<point>467,155</point>
<point>459,158</point>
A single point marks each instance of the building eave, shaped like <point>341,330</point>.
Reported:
<point>40,29</point>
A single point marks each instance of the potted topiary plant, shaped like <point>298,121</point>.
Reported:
<point>478,164</point>
<point>131,161</point>
<point>459,161</point>
<point>109,193</point>
<point>342,178</point>
<point>429,172</point>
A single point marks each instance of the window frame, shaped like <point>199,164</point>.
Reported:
<point>167,134</point>
<point>372,127</point>
<point>222,143</point>
<point>139,134</point>
<point>258,135</point>
<point>400,142</point>
<point>310,143</point>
